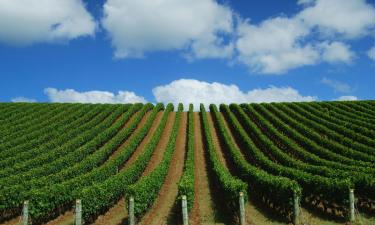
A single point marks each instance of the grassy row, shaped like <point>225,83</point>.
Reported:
<point>11,114</point>
<point>348,123</point>
<point>355,136</point>
<point>305,149</point>
<point>333,191</point>
<point>334,111</point>
<point>363,151</point>
<point>93,154</point>
<point>273,190</point>
<point>34,134</point>
<point>50,200</point>
<point>358,108</point>
<point>308,138</point>
<point>64,156</point>
<point>186,183</point>
<point>19,163</point>
<point>229,186</point>
<point>336,132</point>
<point>35,137</point>
<point>97,198</point>
<point>28,119</point>
<point>146,190</point>
<point>363,181</point>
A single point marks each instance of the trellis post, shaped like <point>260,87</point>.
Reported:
<point>25,213</point>
<point>131,211</point>
<point>185,217</point>
<point>78,212</point>
<point>242,210</point>
<point>296,209</point>
<point>351,205</point>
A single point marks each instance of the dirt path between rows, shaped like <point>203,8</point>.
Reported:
<point>203,211</point>
<point>118,213</point>
<point>144,142</point>
<point>216,141</point>
<point>158,154</point>
<point>258,214</point>
<point>163,211</point>
<point>14,221</point>
<point>139,125</point>
<point>68,217</point>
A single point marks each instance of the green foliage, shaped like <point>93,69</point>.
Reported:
<point>228,185</point>
<point>146,190</point>
<point>276,189</point>
<point>20,142</point>
<point>186,184</point>
<point>53,154</point>
<point>100,196</point>
<point>341,142</point>
<point>77,125</point>
<point>336,191</point>
<point>13,196</point>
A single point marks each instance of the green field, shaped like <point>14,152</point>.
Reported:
<point>279,155</point>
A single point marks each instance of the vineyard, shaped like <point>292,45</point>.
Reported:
<point>274,163</point>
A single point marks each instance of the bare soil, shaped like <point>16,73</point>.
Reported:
<point>118,214</point>
<point>163,211</point>
<point>204,210</point>
<point>216,142</point>
<point>144,142</point>
<point>158,154</point>
<point>139,125</point>
<point>14,221</point>
<point>67,217</point>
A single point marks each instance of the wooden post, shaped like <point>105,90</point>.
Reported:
<point>295,208</point>
<point>185,217</point>
<point>25,213</point>
<point>78,213</point>
<point>351,205</point>
<point>131,211</point>
<point>242,210</point>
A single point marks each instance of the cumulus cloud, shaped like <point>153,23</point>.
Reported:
<point>24,22</point>
<point>350,18</point>
<point>276,53</point>
<point>347,98</point>
<point>22,99</point>
<point>70,95</point>
<point>337,52</point>
<point>196,26</point>
<point>294,41</point>
<point>194,91</point>
<point>337,85</point>
<point>305,2</point>
<point>371,53</point>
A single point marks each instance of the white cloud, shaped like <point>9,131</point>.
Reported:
<point>337,85</point>
<point>196,26</point>
<point>22,99</point>
<point>336,52</point>
<point>347,98</point>
<point>280,44</point>
<point>24,22</point>
<point>351,18</point>
<point>305,2</point>
<point>371,53</point>
<point>278,94</point>
<point>193,91</point>
<point>70,95</point>
<point>273,47</point>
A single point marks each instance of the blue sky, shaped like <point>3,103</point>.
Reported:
<point>187,51</point>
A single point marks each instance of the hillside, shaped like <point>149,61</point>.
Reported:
<point>293,162</point>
